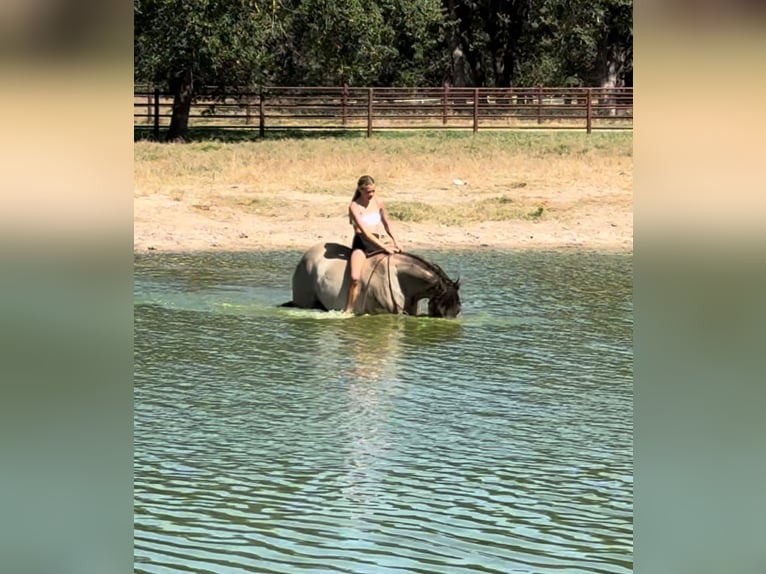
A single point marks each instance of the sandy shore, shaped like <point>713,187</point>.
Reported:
<point>585,218</point>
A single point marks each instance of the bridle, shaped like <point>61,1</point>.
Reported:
<point>437,299</point>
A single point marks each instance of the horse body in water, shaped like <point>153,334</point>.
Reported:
<point>390,283</point>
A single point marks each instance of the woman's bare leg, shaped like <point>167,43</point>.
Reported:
<point>357,260</point>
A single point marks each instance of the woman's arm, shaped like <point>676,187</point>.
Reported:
<point>364,231</point>
<point>387,224</point>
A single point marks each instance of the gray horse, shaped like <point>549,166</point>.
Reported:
<point>390,283</point>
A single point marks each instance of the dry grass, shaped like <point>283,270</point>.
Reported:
<point>447,178</point>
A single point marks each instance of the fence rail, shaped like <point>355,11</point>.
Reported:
<point>378,109</point>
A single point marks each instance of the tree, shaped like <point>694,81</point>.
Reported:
<point>359,42</point>
<point>237,44</point>
<point>575,43</point>
<point>332,43</point>
<point>506,28</point>
<point>483,38</point>
<point>614,61</point>
<point>186,44</point>
<point>415,31</point>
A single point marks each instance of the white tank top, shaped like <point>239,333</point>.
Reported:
<point>371,218</point>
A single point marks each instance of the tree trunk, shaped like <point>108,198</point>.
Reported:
<point>609,83</point>
<point>457,67</point>
<point>518,16</point>
<point>182,88</point>
<point>461,45</point>
<point>503,27</point>
<point>611,71</point>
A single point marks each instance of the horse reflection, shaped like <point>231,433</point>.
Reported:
<point>372,385</point>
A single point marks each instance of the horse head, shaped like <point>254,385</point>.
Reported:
<point>445,300</point>
<point>443,293</point>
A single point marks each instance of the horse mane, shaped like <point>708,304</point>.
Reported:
<point>447,290</point>
<point>431,266</point>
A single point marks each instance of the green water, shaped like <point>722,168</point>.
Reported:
<point>270,439</point>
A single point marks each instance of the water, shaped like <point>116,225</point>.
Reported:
<point>281,440</point>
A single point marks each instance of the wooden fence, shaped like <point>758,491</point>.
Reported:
<point>378,109</point>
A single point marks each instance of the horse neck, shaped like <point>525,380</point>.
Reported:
<point>416,278</point>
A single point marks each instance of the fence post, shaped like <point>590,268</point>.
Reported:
<point>369,112</point>
<point>344,111</point>
<point>149,107</point>
<point>156,130</point>
<point>539,104</point>
<point>588,111</point>
<point>444,104</point>
<point>475,110</point>
<point>261,114</point>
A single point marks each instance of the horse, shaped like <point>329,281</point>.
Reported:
<point>389,283</point>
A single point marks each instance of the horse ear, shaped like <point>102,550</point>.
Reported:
<point>457,283</point>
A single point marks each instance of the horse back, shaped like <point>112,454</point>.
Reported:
<point>320,278</point>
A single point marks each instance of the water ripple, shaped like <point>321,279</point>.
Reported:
<point>269,440</point>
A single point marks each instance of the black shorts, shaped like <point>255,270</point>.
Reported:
<point>360,243</point>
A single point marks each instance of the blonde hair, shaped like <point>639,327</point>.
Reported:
<point>363,182</point>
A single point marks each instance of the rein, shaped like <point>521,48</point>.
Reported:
<point>437,292</point>
<point>390,285</point>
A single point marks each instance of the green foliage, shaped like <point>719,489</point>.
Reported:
<point>335,43</point>
<point>484,37</point>
<point>232,44</point>
<point>360,42</point>
<point>413,211</point>
<point>415,31</point>
<point>502,208</point>
<point>220,41</point>
<point>571,43</point>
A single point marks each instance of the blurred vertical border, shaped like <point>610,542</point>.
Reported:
<point>700,288</point>
<point>66,286</point>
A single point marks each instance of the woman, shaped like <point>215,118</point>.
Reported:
<point>368,216</point>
